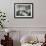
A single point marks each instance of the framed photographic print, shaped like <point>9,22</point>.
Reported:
<point>23,10</point>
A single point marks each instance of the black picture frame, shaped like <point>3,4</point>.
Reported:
<point>23,10</point>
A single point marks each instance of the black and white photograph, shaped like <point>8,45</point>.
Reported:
<point>23,10</point>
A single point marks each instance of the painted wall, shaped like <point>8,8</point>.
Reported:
<point>39,13</point>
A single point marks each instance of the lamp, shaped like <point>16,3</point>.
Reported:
<point>7,31</point>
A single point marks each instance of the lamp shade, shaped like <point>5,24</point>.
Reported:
<point>7,30</point>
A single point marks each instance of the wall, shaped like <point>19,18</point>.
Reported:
<point>39,13</point>
<point>38,23</point>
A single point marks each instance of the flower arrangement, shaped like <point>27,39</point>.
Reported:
<point>2,18</point>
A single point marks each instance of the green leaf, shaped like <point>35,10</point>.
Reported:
<point>1,16</point>
<point>0,12</point>
<point>0,21</point>
<point>3,19</point>
<point>4,13</point>
<point>2,26</point>
<point>4,16</point>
